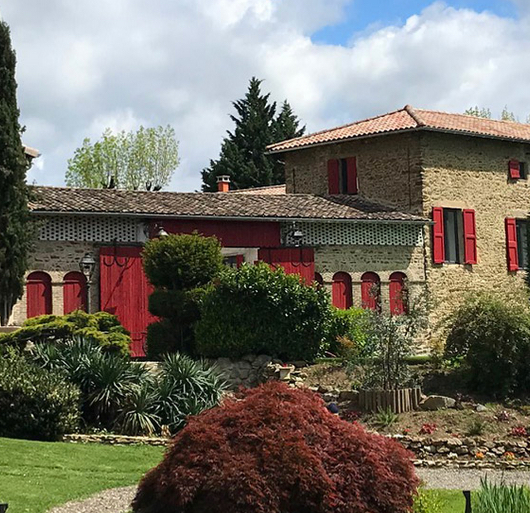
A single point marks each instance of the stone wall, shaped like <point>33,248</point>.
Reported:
<point>247,372</point>
<point>383,260</point>
<point>471,172</point>
<point>388,169</point>
<point>58,258</point>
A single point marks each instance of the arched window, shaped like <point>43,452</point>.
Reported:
<point>341,291</point>
<point>319,280</point>
<point>398,294</point>
<point>38,294</point>
<point>371,291</point>
<point>74,292</point>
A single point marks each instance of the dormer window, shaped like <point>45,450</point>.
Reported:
<point>342,176</point>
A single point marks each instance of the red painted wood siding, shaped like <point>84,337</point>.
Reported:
<point>294,260</point>
<point>235,234</point>
<point>124,290</point>
<point>341,291</point>
<point>74,292</point>
<point>398,300</point>
<point>371,291</point>
<point>38,294</point>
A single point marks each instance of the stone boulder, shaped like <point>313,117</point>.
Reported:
<point>437,402</point>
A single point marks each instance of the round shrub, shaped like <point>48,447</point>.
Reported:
<point>348,331</point>
<point>490,336</point>
<point>103,328</point>
<point>277,449</point>
<point>259,310</point>
<point>182,262</point>
<point>35,403</point>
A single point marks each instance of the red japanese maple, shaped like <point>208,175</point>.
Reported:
<point>275,449</point>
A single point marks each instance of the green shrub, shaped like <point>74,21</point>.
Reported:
<point>179,266</point>
<point>182,262</point>
<point>501,498</point>
<point>348,331</point>
<point>258,310</point>
<point>35,403</point>
<point>101,327</point>
<point>490,336</point>
<point>427,501</point>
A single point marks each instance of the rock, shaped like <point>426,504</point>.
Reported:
<point>348,395</point>
<point>480,408</point>
<point>437,402</point>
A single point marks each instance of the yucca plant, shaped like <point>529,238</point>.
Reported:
<point>501,498</point>
<point>138,415</point>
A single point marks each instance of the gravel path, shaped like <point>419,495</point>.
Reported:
<point>115,500</point>
<point>463,479</point>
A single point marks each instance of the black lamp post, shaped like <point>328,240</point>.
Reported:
<point>3,508</point>
<point>87,265</point>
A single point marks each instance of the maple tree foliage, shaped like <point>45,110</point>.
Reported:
<point>275,449</point>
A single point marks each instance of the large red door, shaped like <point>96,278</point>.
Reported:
<point>294,260</point>
<point>124,290</point>
<point>341,291</point>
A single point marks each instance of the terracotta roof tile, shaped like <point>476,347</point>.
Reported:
<point>409,118</point>
<point>217,205</point>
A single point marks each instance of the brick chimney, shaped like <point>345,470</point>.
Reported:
<point>223,183</point>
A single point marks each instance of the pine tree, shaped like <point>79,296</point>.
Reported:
<point>243,152</point>
<point>15,227</point>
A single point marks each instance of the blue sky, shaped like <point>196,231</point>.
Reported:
<point>362,14</point>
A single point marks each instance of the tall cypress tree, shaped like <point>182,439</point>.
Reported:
<point>243,150</point>
<point>15,228</point>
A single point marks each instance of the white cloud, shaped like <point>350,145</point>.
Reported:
<point>89,64</point>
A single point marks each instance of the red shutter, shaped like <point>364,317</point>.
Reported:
<point>333,176</point>
<point>371,291</point>
<point>514,171</point>
<point>398,299</point>
<point>511,244</point>
<point>470,237</point>
<point>438,241</point>
<point>351,166</point>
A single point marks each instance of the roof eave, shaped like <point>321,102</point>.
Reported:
<point>147,215</point>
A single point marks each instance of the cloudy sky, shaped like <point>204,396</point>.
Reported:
<point>85,65</point>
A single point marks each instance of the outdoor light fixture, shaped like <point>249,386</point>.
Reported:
<point>87,265</point>
<point>162,233</point>
<point>296,235</point>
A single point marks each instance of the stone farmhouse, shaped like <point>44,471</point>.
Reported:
<point>406,200</point>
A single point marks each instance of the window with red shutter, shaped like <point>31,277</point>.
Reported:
<point>470,237</point>
<point>511,244</point>
<point>438,241</point>
<point>514,169</point>
<point>333,177</point>
<point>351,173</point>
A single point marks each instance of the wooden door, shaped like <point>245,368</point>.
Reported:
<point>38,294</point>
<point>341,291</point>
<point>74,292</point>
<point>124,292</point>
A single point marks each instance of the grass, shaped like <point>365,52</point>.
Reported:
<point>35,476</point>
<point>453,500</point>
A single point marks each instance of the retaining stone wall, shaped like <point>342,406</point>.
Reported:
<point>248,372</point>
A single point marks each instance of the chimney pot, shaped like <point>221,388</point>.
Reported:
<point>223,183</point>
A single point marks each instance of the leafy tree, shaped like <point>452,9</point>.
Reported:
<point>141,160</point>
<point>16,233</point>
<point>243,153</point>
<point>478,112</point>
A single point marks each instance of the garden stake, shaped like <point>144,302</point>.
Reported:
<point>467,495</point>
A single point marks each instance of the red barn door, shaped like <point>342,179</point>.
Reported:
<point>294,260</point>
<point>124,290</point>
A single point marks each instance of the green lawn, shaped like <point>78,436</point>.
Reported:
<point>453,501</point>
<point>34,476</point>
